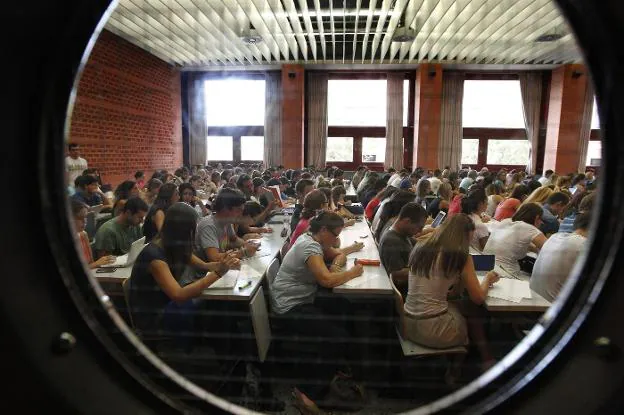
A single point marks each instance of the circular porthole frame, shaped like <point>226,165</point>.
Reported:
<point>570,363</point>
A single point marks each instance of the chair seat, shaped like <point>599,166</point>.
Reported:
<point>412,349</point>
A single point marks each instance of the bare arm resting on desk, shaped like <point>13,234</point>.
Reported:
<point>477,291</point>
<point>329,279</point>
<point>166,281</point>
<point>231,261</point>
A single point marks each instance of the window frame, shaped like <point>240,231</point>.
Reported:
<point>359,132</point>
<point>236,133</point>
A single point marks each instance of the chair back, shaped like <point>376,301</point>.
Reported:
<point>90,226</point>
<point>271,272</point>
<point>125,286</point>
<point>398,304</point>
<point>284,249</point>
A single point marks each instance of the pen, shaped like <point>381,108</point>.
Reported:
<point>245,285</point>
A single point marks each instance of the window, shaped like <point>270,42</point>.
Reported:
<point>508,152</point>
<point>339,149</point>
<point>470,151</point>
<point>594,154</point>
<point>252,148</point>
<point>231,102</point>
<point>356,102</point>
<point>595,121</point>
<point>373,149</point>
<point>220,148</point>
<point>492,104</point>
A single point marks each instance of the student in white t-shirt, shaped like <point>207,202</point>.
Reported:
<point>435,181</point>
<point>74,164</point>
<point>474,205</point>
<point>545,179</point>
<point>557,257</point>
<point>512,238</point>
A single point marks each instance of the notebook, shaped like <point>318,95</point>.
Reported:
<point>129,258</point>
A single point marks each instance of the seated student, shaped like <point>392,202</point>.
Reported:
<point>508,207</point>
<point>313,204</point>
<point>293,297</point>
<point>247,227</point>
<point>552,209</point>
<point>189,196</point>
<point>545,179</point>
<point>474,205</point>
<point>87,192</point>
<point>215,233</point>
<point>455,205</point>
<point>422,190</point>
<point>358,176</point>
<point>468,180</point>
<point>494,196</point>
<point>377,201</point>
<point>369,178</point>
<point>167,196</point>
<point>139,179</point>
<point>196,182</point>
<point>337,202</point>
<point>79,211</point>
<point>539,196</point>
<point>511,239</point>
<point>397,243</point>
<point>123,192</point>
<point>245,185</point>
<point>156,296</point>
<point>303,187</point>
<point>442,201</point>
<point>581,202</point>
<point>557,258</point>
<point>151,191</point>
<point>441,262</point>
<point>376,187</point>
<point>578,183</point>
<point>390,212</point>
<point>117,235</point>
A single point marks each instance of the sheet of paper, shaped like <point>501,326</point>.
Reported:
<point>368,252</point>
<point>510,290</point>
<point>226,281</point>
<point>356,282</point>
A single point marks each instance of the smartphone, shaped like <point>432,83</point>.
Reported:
<point>105,270</point>
<point>438,219</point>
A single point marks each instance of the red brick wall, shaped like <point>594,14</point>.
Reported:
<point>127,114</point>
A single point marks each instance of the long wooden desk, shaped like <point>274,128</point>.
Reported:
<point>374,280</point>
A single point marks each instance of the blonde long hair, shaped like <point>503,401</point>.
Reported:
<point>539,195</point>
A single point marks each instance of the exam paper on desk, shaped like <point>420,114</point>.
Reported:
<point>510,290</point>
<point>230,278</point>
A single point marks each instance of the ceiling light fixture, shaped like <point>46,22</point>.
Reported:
<point>403,34</point>
<point>549,37</point>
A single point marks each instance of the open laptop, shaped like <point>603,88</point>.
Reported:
<point>129,258</point>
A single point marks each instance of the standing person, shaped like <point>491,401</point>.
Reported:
<point>74,164</point>
<point>397,243</point>
<point>294,299</point>
<point>79,211</point>
<point>167,196</point>
<point>557,258</point>
<point>511,239</point>
<point>302,188</point>
<point>441,262</point>
<point>117,235</point>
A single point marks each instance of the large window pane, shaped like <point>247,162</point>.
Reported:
<point>339,149</point>
<point>470,151</point>
<point>492,104</point>
<point>252,148</point>
<point>595,121</point>
<point>219,148</point>
<point>594,154</point>
<point>373,149</point>
<point>508,152</point>
<point>232,102</point>
<point>356,102</point>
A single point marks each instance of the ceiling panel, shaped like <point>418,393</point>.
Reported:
<point>201,33</point>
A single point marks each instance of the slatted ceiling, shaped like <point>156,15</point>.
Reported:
<point>197,33</point>
<point>307,21</point>
<point>369,21</point>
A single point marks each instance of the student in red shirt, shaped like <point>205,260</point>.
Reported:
<point>371,207</point>
<point>507,208</point>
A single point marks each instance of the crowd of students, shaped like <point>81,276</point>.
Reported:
<point>201,222</point>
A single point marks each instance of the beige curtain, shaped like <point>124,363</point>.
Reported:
<point>451,132</point>
<point>273,119</point>
<point>531,90</point>
<point>588,107</point>
<point>316,114</point>
<point>394,121</point>
<point>198,129</point>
